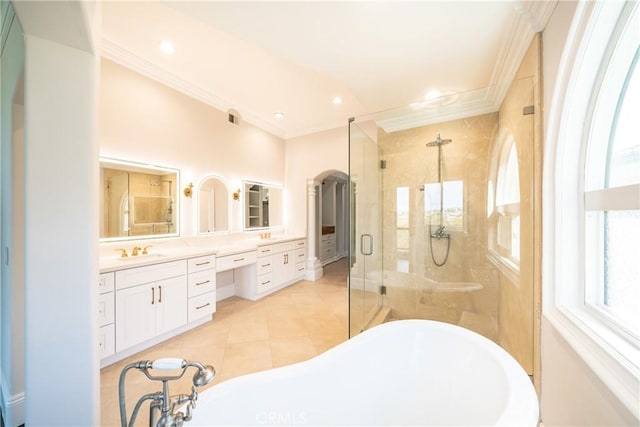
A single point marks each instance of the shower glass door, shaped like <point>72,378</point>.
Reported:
<point>365,254</point>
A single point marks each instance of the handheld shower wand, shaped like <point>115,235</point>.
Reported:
<point>162,407</point>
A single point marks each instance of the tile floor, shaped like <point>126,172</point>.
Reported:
<point>289,326</point>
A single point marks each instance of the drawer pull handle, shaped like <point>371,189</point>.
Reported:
<point>153,295</point>
<point>238,259</point>
<point>266,265</point>
<point>198,264</point>
<point>160,299</point>
<point>267,282</point>
<point>264,251</point>
<point>203,283</point>
<point>203,306</point>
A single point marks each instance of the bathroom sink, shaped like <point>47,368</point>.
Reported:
<point>140,257</point>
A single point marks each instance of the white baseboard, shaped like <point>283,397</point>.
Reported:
<point>12,408</point>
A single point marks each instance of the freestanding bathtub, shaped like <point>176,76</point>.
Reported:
<point>407,372</point>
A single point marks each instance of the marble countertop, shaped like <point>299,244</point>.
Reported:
<point>167,253</point>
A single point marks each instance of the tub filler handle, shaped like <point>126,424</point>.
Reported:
<point>370,239</point>
<point>163,406</point>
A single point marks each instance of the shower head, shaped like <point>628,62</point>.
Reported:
<point>438,142</point>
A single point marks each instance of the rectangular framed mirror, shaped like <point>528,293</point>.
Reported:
<point>137,201</point>
<point>263,205</point>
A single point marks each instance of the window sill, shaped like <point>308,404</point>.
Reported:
<point>612,359</point>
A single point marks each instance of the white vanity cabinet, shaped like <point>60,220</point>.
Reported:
<point>202,287</point>
<point>276,267</point>
<point>150,300</point>
<point>327,248</point>
<point>284,263</point>
<point>106,300</point>
<point>301,258</point>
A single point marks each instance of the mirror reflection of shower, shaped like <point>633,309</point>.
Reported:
<point>439,233</point>
<point>157,182</point>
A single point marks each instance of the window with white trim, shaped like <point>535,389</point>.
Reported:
<point>591,253</point>
<point>612,189</point>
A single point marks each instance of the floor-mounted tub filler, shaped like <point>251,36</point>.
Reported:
<point>406,372</point>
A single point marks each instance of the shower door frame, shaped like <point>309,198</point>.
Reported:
<point>365,224</point>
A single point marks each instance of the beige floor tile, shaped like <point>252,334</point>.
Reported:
<point>246,357</point>
<point>289,326</point>
<point>285,351</point>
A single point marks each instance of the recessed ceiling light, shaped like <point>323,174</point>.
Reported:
<point>337,100</point>
<point>432,94</point>
<point>167,47</point>
<point>278,115</point>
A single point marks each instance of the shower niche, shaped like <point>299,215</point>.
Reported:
<point>137,200</point>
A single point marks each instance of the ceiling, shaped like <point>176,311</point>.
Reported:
<point>263,57</point>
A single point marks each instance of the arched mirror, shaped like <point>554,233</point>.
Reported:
<point>213,206</point>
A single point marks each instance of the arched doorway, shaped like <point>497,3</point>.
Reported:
<point>328,207</point>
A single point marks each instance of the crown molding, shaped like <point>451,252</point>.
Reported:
<point>532,17</point>
<point>128,59</point>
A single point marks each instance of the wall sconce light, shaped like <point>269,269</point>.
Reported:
<point>188,192</point>
<point>236,195</point>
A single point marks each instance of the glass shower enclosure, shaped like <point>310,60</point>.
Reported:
<point>442,220</point>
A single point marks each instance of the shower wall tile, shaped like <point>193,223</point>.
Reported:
<point>411,164</point>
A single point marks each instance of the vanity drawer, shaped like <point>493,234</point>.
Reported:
<point>201,282</point>
<point>150,273</point>
<point>265,282</point>
<point>229,262</point>
<point>106,340</point>
<point>106,282</point>
<point>265,264</point>
<point>202,306</point>
<point>201,263</point>
<point>264,251</point>
<point>328,239</point>
<point>301,255</point>
<point>301,268</point>
<point>106,308</point>
<point>300,244</point>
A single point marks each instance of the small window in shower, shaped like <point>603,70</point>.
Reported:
<point>452,207</point>
<point>507,204</point>
<point>402,229</point>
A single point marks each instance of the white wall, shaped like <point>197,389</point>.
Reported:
<point>306,158</point>
<point>572,394</point>
<point>144,121</point>
<point>12,228</point>
<point>60,212</point>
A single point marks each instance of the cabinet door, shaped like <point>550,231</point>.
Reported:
<point>171,304</point>
<point>284,267</point>
<point>135,315</point>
